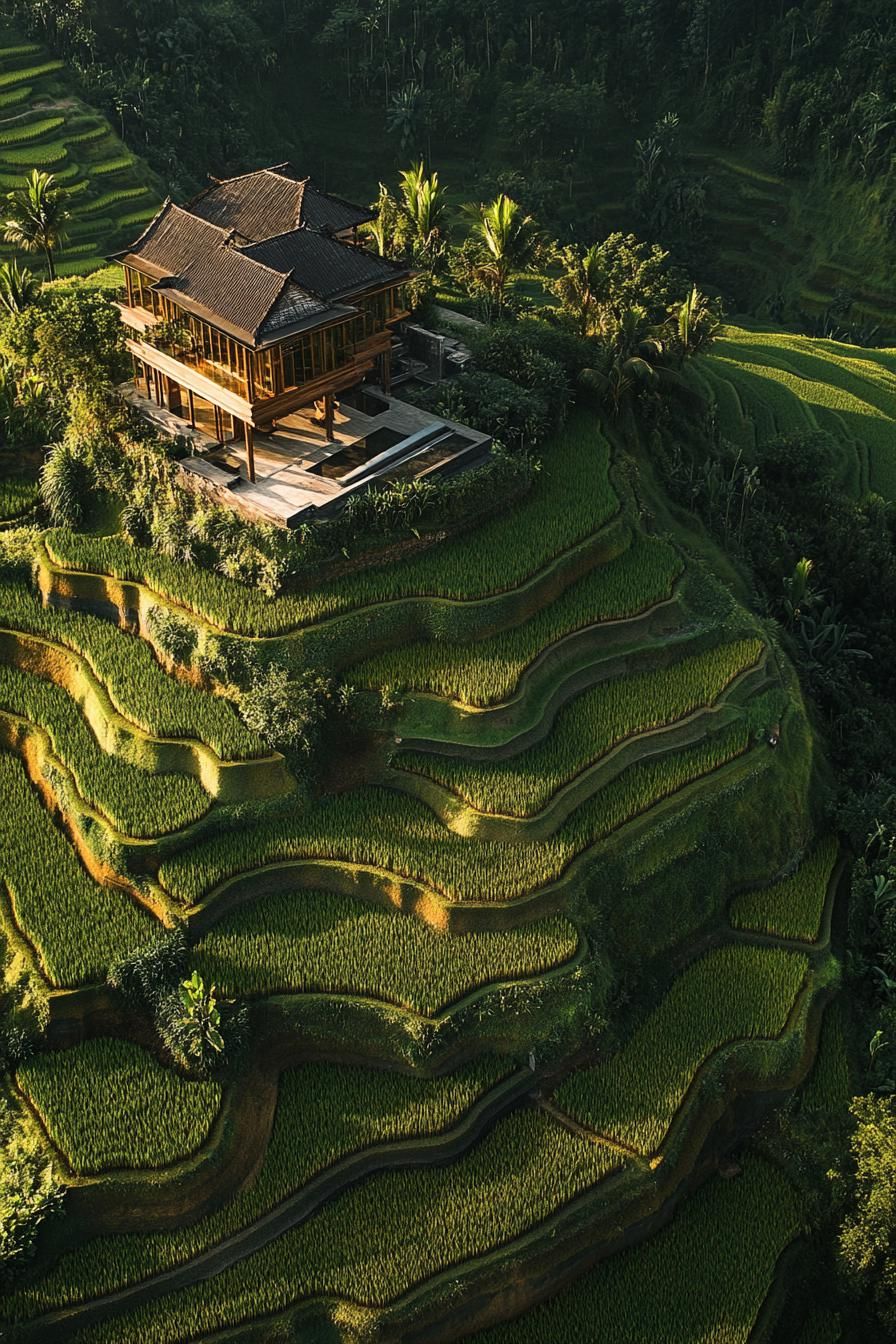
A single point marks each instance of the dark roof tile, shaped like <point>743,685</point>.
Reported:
<point>323,265</point>
<point>272,201</point>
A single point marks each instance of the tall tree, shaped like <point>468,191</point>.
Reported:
<point>425,207</point>
<point>506,241</point>
<point>581,285</point>
<point>37,217</point>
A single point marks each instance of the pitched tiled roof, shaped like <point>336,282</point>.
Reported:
<point>273,201</point>
<point>201,259</point>
<point>323,265</point>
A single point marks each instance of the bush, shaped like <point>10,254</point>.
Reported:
<point>145,977</point>
<point>515,415</point>
<point>288,710</point>
<point>29,1193</point>
<point>65,486</point>
<point>175,636</point>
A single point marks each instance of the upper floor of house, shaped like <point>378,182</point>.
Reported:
<point>259,287</point>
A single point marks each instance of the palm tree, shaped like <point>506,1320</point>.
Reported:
<point>638,360</point>
<point>18,287</point>
<point>381,230</point>
<point>696,323</point>
<point>37,216</point>
<point>507,241</point>
<point>405,114</point>
<point>581,285</point>
<point>423,200</point>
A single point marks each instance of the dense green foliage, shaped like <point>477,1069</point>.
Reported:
<point>586,729</point>
<point>308,942</point>
<point>107,1104</point>
<point>137,802</point>
<point>729,995</point>
<point>791,908</point>
<point>76,926</point>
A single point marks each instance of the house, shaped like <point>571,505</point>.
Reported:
<point>254,316</point>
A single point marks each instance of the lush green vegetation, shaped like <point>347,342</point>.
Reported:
<point>17,496</point>
<point>586,729</point>
<point>462,861</point>
<point>135,801</point>
<point>564,508</point>
<point>311,942</point>
<point>76,926</point>
<point>487,671</point>
<point>542,1165</point>
<point>377,828</point>
<point>325,1112</point>
<point>108,1104</point>
<point>784,383</point>
<point>792,908</point>
<point>670,1284</point>
<point>44,124</point>
<point>733,994</point>
<point>138,687</point>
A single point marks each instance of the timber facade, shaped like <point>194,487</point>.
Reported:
<point>254,301</point>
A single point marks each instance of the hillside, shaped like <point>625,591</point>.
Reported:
<point>766,382</point>
<point>579,710</point>
<point>45,125</point>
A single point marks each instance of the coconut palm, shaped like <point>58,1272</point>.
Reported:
<point>424,205</point>
<point>581,285</point>
<point>696,322</point>
<point>506,240</point>
<point>637,360</point>
<point>37,216</point>
<point>18,287</point>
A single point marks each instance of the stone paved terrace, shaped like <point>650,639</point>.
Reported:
<point>300,471</point>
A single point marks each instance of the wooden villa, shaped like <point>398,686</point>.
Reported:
<point>256,302</point>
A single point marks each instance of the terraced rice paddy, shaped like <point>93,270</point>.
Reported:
<point>733,994</point>
<point>792,908</point>
<point>76,927</point>
<point>766,383</point>
<point>487,671</point>
<point>377,829</point>
<point>586,729</point>
<point>562,510</point>
<point>108,1104</point>
<point>401,936</point>
<point>672,1288</point>
<point>43,124</point>
<point>308,942</point>
<point>135,801</point>
<point>138,687</point>
<point>325,1113</point>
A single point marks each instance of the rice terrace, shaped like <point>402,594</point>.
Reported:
<point>447,699</point>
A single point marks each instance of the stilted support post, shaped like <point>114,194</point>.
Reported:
<point>387,371</point>
<point>191,402</point>
<point>328,415</point>
<point>249,432</point>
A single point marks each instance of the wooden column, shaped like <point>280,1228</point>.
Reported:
<point>219,425</point>
<point>387,371</point>
<point>249,433</point>
<point>328,415</point>
<point>175,402</point>
<point>191,402</point>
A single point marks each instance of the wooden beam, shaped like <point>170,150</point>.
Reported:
<point>249,433</point>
